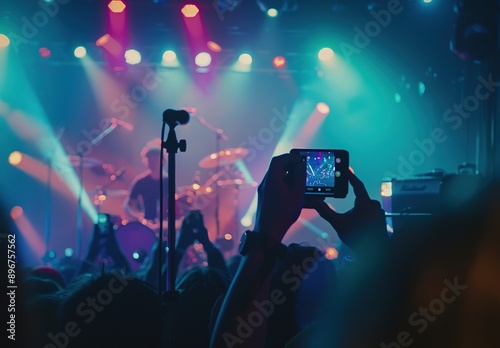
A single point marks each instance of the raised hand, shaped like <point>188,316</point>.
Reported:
<point>364,222</point>
<point>281,195</point>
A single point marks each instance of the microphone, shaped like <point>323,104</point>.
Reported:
<point>175,117</point>
<point>126,125</point>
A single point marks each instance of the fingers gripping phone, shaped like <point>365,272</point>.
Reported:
<point>326,172</point>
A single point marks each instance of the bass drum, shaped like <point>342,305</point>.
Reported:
<point>136,242</point>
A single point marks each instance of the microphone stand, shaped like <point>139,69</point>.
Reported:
<point>170,296</point>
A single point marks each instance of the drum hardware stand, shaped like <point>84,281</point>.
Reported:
<point>172,118</point>
<point>219,135</point>
<point>100,191</point>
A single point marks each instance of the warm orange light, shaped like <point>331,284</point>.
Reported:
<point>386,189</point>
<point>4,40</point>
<point>190,11</point>
<point>227,236</point>
<point>331,253</point>
<point>15,158</point>
<point>214,46</point>
<point>103,40</point>
<point>279,62</point>
<point>116,6</point>
<point>323,108</point>
<point>208,189</point>
<point>16,212</point>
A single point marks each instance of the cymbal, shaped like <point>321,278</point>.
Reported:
<point>108,193</point>
<point>236,182</point>
<point>223,157</point>
<point>88,162</point>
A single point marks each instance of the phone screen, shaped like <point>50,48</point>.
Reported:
<point>325,172</point>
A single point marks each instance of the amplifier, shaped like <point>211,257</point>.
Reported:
<point>411,200</point>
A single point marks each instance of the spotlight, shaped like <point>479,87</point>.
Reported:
<point>16,212</point>
<point>190,11</point>
<point>44,52</point>
<point>132,57</point>
<point>279,62</point>
<point>15,158</point>
<point>273,7</point>
<point>214,46</point>
<point>246,221</point>
<point>80,52</point>
<point>323,108</point>
<point>203,59</point>
<point>325,54</point>
<point>116,6</point>
<point>245,59</point>
<point>49,256</point>
<point>68,252</point>
<point>386,189</point>
<point>228,236</point>
<point>272,12</point>
<point>139,255</point>
<point>331,253</point>
<point>169,56</point>
<point>4,40</point>
<point>103,40</point>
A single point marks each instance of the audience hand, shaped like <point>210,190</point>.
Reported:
<point>365,220</point>
<point>281,195</point>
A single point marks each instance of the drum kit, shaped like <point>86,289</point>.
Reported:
<point>135,238</point>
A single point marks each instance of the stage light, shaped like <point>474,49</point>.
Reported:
<point>279,62</point>
<point>331,253</point>
<point>203,59</point>
<point>190,11</point>
<point>386,189</point>
<point>397,98</point>
<point>80,52</point>
<point>15,158</point>
<point>272,12</point>
<point>245,59</point>
<point>116,6</point>
<point>49,256</point>
<point>323,108</point>
<point>132,57</point>
<point>68,252</point>
<point>214,46</point>
<point>44,52</point>
<point>325,54</point>
<point>421,88</point>
<point>4,40</point>
<point>246,221</point>
<point>16,212</point>
<point>427,1</point>
<point>169,56</point>
<point>272,7</point>
<point>103,40</point>
<point>227,236</point>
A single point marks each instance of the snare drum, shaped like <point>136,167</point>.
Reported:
<point>136,241</point>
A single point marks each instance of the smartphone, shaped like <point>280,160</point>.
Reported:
<point>326,172</point>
